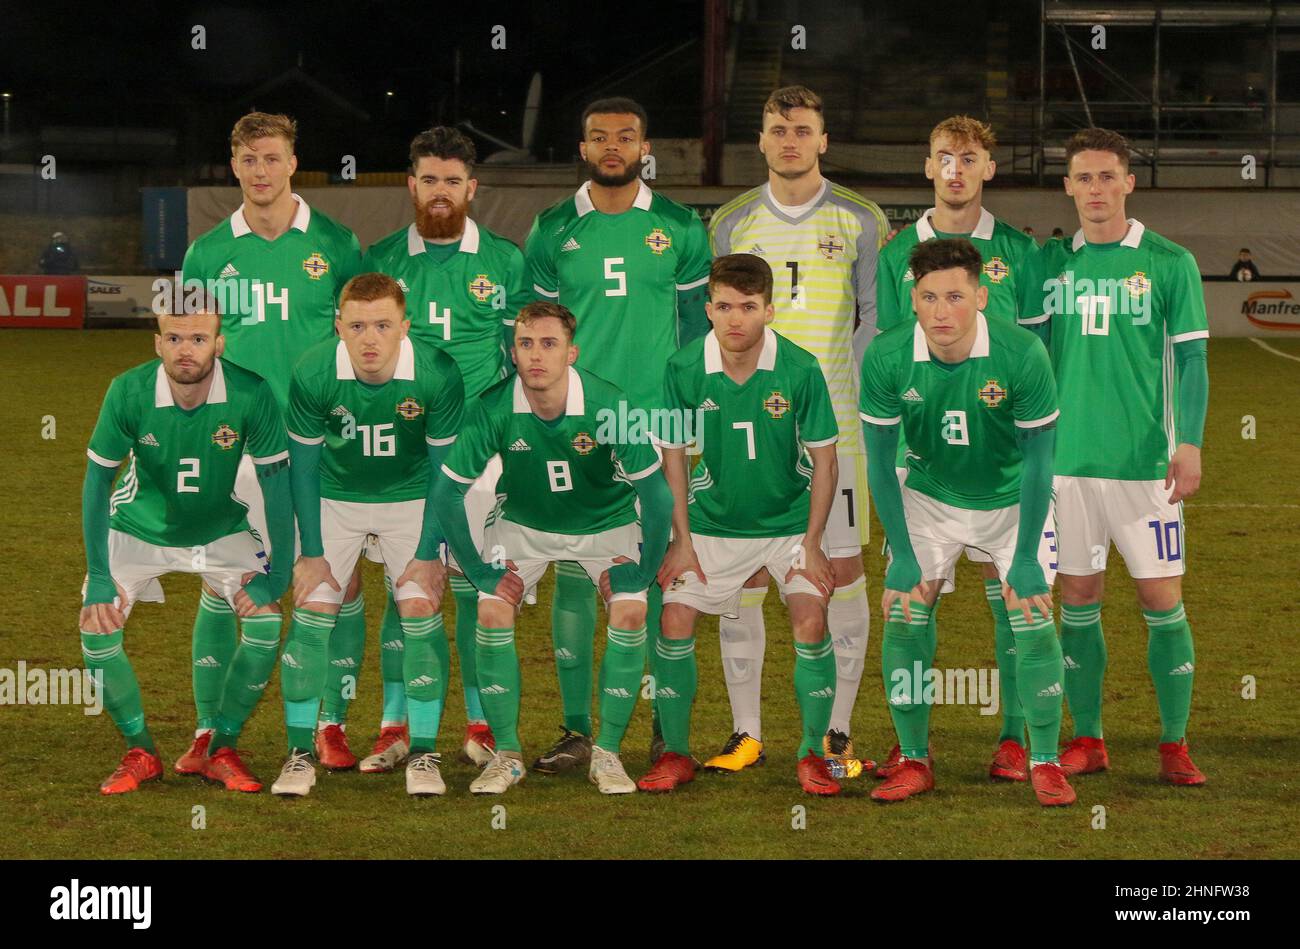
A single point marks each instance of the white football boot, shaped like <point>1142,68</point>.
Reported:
<point>423,777</point>
<point>503,771</point>
<point>606,772</point>
<point>297,777</point>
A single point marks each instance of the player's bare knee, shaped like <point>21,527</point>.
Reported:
<point>989,570</point>
<point>415,606</point>
<point>807,618</point>
<point>627,614</point>
<point>847,569</point>
<point>321,606</point>
<point>1081,590</point>
<point>267,609</point>
<point>677,621</point>
<point>496,614</point>
<point>1160,593</point>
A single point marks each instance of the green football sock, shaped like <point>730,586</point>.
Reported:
<point>1039,671</point>
<point>391,656</point>
<point>675,681</point>
<point>903,664</point>
<point>1172,662</point>
<point>1084,650</point>
<point>1013,718</point>
<point>654,609</point>
<point>425,669</point>
<point>573,631</point>
<point>466,620</point>
<point>212,646</point>
<point>620,680</point>
<point>347,647</point>
<point>498,675</point>
<point>814,687</point>
<point>250,672</point>
<point>106,659</point>
<point>303,668</point>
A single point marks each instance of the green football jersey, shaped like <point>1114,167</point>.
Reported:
<point>571,475</point>
<point>1011,271</point>
<point>620,274</point>
<point>279,296</point>
<point>754,476</point>
<point>178,490</point>
<point>960,420</point>
<point>1116,312</point>
<point>460,303</point>
<point>375,437</point>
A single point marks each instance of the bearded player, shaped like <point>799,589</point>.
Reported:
<point>278,265</point>
<point>821,241</point>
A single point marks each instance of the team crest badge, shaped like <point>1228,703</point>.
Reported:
<point>410,408</point>
<point>829,246</point>
<point>992,394</point>
<point>996,269</point>
<point>481,287</point>
<point>658,241</point>
<point>677,584</point>
<point>225,437</point>
<point>316,266</point>
<point>583,443</point>
<point>1137,284</point>
<point>776,405</point>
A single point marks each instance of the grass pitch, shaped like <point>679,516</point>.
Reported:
<point>1240,593</point>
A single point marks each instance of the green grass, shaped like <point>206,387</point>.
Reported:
<point>1241,596</point>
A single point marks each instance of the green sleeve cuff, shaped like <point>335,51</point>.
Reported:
<point>431,536</point>
<point>692,319</point>
<point>304,480</point>
<point>1038,448</point>
<point>449,498</point>
<point>656,524</point>
<point>95,491</point>
<point>277,502</point>
<point>904,572</point>
<point>1193,390</point>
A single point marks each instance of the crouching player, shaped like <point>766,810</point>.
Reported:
<point>184,420</point>
<point>753,502</point>
<point>370,418</point>
<point>976,401</point>
<point>568,493</point>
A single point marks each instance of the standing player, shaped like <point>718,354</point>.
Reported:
<point>959,163</point>
<point>632,266</point>
<point>564,495</point>
<point>754,503</point>
<point>184,420</point>
<point>370,417</point>
<point>975,399</point>
<point>1128,338</point>
<point>279,266</point>
<point>463,287</point>
<point>823,239</point>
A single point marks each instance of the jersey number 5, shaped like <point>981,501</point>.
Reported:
<point>618,276</point>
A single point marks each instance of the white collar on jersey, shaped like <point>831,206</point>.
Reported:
<point>713,352</point>
<point>405,361</point>
<point>583,198</point>
<point>575,402</point>
<point>468,240</point>
<point>1131,239</point>
<point>983,230</point>
<point>797,211</point>
<point>921,348</point>
<point>239,227</point>
<point>162,392</point>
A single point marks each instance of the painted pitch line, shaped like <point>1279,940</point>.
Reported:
<point>1276,352</point>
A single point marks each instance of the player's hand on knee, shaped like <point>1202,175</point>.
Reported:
<point>816,569</point>
<point>679,559</point>
<point>308,574</point>
<point>1042,602</point>
<point>104,617</point>
<point>510,588</point>
<point>604,586</point>
<point>902,599</point>
<point>1184,472</point>
<point>429,575</point>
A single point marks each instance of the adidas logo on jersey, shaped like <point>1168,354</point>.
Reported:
<point>229,271</point>
<point>1069,663</point>
<point>340,410</point>
<point>568,245</point>
<point>149,440</point>
<point>825,693</point>
<point>207,662</point>
<point>756,250</point>
<point>708,405</point>
<point>1051,690</point>
<point>911,395</point>
<point>494,689</point>
<point>420,680</point>
<point>289,661</point>
<point>1185,669</point>
<point>618,693</point>
<point>667,692</point>
<point>346,662</point>
<point>396,644</point>
<point>521,445</point>
<point>402,283</point>
<point>563,653</point>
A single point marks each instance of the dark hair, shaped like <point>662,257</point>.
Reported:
<point>615,105</point>
<point>445,143</point>
<point>545,309</point>
<point>1057,232</point>
<point>782,100</point>
<point>368,287</point>
<point>748,273</point>
<point>929,256</point>
<point>1097,140</point>
<point>1244,250</point>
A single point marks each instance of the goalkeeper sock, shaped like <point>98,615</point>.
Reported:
<point>1172,660</point>
<point>620,679</point>
<point>1038,677</point>
<point>1005,645</point>
<point>498,676</point>
<point>250,673</point>
<point>347,647</point>
<point>814,687</point>
<point>466,620</point>
<point>848,622</point>
<point>573,631</point>
<point>904,666</point>
<point>392,652</point>
<point>675,681</point>
<point>1084,650</point>
<point>303,668</point>
<point>212,646</point>
<point>425,667</point>
<point>106,659</point>
<point>743,641</point>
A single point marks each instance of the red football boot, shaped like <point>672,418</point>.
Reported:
<point>890,764</point>
<point>1009,762</point>
<point>226,768</point>
<point>479,745</point>
<point>1176,765</point>
<point>137,767</point>
<point>669,771</point>
<point>391,749</point>
<point>193,760</point>
<point>332,749</point>
<point>1050,785</point>
<point>814,776</point>
<point>1084,755</point>
<point>912,776</point>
